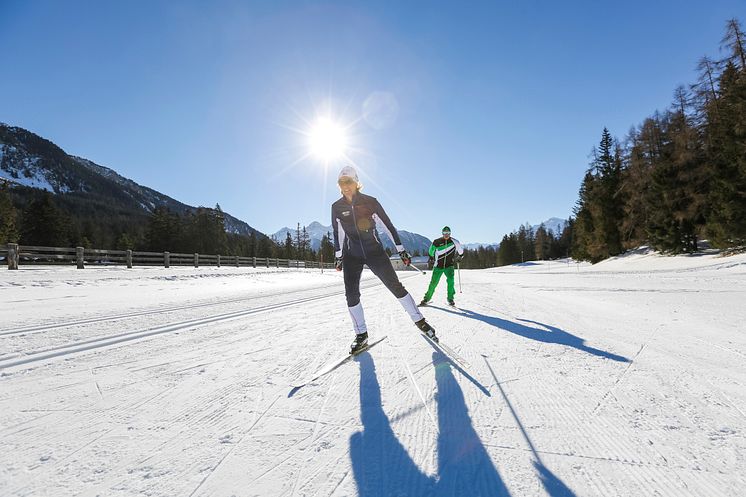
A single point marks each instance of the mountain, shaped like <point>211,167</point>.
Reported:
<point>476,245</point>
<point>29,160</point>
<point>555,224</point>
<point>315,230</point>
<point>413,242</point>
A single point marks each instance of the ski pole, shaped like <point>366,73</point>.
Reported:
<point>458,266</point>
<point>416,268</point>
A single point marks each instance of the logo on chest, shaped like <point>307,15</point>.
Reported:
<point>346,213</point>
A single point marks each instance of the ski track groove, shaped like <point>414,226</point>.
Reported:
<point>564,413</point>
<point>107,341</point>
<point>138,403</point>
<point>146,312</point>
<point>87,345</point>
<point>233,446</point>
<point>622,375</point>
<point>313,437</point>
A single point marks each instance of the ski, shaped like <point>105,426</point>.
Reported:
<point>336,363</point>
<point>447,351</point>
<point>456,361</point>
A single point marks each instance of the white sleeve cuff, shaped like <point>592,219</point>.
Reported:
<point>400,248</point>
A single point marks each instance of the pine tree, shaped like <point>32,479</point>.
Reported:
<point>584,228</point>
<point>288,248</point>
<point>726,136</point>
<point>125,242</point>
<point>509,251</point>
<point>44,224</point>
<point>735,42</point>
<point>164,231</point>
<point>542,244</point>
<point>252,252</point>
<point>326,251</point>
<point>8,218</point>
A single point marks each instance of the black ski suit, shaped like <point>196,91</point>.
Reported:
<point>357,242</point>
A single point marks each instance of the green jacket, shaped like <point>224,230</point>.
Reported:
<point>443,252</point>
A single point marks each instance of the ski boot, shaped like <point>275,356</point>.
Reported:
<point>423,303</point>
<point>426,329</point>
<point>360,343</point>
<point>452,303</point>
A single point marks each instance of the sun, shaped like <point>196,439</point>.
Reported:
<point>327,139</point>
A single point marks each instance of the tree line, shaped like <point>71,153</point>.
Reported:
<point>44,220</point>
<point>677,178</point>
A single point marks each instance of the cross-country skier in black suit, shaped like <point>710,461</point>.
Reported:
<point>356,243</point>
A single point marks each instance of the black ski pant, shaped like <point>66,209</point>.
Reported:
<point>379,263</point>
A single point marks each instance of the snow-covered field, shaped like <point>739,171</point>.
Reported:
<point>625,378</point>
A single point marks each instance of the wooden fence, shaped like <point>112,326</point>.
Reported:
<point>17,255</point>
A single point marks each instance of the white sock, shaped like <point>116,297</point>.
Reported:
<point>411,307</point>
<point>358,318</point>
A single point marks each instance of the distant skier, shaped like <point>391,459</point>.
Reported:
<point>356,243</point>
<point>444,252</point>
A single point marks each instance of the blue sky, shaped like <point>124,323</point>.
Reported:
<point>492,108</point>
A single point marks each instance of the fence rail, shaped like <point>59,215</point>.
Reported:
<point>18,255</point>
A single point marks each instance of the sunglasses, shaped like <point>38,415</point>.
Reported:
<point>346,181</point>
<point>446,232</point>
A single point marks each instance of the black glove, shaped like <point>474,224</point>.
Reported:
<point>459,257</point>
<point>430,262</point>
<point>405,258</point>
<point>338,263</point>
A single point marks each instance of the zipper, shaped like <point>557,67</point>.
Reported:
<point>354,220</point>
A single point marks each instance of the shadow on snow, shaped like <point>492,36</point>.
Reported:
<point>549,335</point>
<point>383,467</point>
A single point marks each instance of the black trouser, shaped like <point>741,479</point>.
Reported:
<point>379,263</point>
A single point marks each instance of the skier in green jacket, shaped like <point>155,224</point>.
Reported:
<point>444,252</point>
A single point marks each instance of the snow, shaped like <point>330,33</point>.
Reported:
<point>625,378</point>
<point>29,165</point>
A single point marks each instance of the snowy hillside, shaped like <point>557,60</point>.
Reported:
<point>626,378</point>
<point>29,160</point>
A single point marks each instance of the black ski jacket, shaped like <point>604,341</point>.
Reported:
<point>443,252</point>
<point>354,226</point>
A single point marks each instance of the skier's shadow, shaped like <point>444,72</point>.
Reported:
<point>551,334</point>
<point>383,467</point>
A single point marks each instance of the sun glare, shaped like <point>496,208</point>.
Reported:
<point>327,139</point>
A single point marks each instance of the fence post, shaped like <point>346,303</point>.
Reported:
<point>196,259</point>
<point>79,256</point>
<point>266,259</point>
<point>237,264</point>
<point>129,259</point>
<point>13,256</point>
<point>218,260</point>
<point>254,261</point>
<point>166,259</point>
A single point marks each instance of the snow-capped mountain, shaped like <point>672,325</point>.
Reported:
<point>476,245</point>
<point>29,160</point>
<point>315,230</point>
<point>413,242</point>
<point>555,224</point>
